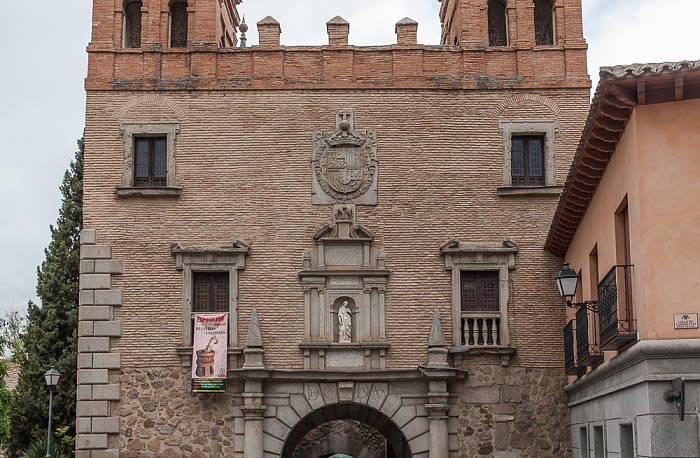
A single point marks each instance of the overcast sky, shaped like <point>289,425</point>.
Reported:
<point>42,101</point>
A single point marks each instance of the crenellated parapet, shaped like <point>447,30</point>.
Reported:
<point>404,66</point>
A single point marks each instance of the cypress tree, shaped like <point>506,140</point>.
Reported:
<point>51,335</point>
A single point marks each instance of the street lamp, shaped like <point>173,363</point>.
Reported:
<point>52,376</point>
<point>567,282</point>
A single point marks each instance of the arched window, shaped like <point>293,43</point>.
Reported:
<point>132,24</point>
<point>544,22</point>
<point>498,29</point>
<point>178,24</point>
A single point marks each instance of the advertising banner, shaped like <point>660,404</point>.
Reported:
<point>209,353</point>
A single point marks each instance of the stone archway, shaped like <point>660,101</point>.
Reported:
<point>396,445</point>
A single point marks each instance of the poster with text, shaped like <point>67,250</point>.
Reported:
<point>209,348</point>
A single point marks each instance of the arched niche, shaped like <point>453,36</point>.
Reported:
<point>344,266</point>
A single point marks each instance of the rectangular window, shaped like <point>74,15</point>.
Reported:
<point>527,160</point>
<point>598,442</point>
<point>626,441</point>
<point>150,161</point>
<point>479,291</point>
<point>210,291</point>
<point>583,437</point>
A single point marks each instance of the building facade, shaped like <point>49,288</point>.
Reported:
<point>370,220</point>
<point>628,224</point>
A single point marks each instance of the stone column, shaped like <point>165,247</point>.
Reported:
<point>253,411</point>
<point>438,371</point>
<point>439,444</point>
<point>254,374</point>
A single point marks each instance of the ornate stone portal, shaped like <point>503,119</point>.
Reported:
<point>344,277</point>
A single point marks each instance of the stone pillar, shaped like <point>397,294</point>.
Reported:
<point>253,410</point>
<point>439,444</point>
<point>438,371</point>
<point>253,407</point>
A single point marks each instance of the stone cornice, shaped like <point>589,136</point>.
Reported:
<point>642,351</point>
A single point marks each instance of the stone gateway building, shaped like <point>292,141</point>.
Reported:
<point>370,221</point>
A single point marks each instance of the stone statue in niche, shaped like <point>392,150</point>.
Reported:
<point>344,323</point>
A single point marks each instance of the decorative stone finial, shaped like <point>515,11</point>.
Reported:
<point>437,338</point>
<point>437,346</point>
<point>254,338</point>
<point>243,28</point>
<point>253,353</point>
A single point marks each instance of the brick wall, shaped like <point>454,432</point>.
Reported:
<point>243,160</point>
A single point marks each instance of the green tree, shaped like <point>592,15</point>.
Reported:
<point>11,330</point>
<point>51,334</point>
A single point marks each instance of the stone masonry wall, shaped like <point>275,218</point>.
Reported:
<point>97,392</point>
<point>161,418</point>
<point>513,412</point>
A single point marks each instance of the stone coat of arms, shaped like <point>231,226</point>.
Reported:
<point>344,166</point>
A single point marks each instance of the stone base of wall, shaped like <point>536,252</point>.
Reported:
<point>513,412</point>
<point>620,405</point>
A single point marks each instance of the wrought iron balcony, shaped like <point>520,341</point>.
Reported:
<point>588,351</point>
<point>618,326</point>
<point>569,351</point>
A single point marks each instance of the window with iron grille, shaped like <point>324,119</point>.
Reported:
<point>178,25</point>
<point>132,25</point>
<point>498,30</point>
<point>527,160</point>
<point>210,291</point>
<point>150,161</point>
<point>479,291</point>
<point>544,22</point>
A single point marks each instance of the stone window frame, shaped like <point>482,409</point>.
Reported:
<point>525,127</point>
<point>481,257</point>
<point>228,259</point>
<point>132,130</point>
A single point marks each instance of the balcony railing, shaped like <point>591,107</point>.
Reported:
<point>617,324</point>
<point>569,351</point>
<point>587,350</point>
<point>481,329</point>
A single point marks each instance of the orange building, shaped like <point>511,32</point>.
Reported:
<point>628,224</point>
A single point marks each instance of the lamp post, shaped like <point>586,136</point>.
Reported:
<point>567,282</point>
<point>52,376</point>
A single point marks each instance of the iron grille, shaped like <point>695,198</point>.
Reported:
<point>617,323</point>
<point>569,363</point>
<point>583,348</point>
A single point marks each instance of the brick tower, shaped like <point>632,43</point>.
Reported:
<point>369,220</point>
